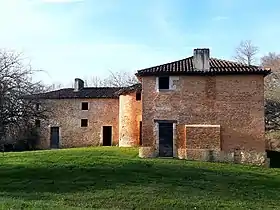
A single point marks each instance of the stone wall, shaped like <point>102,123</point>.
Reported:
<point>242,157</point>
<point>234,102</point>
<point>130,114</point>
<point>67,115</point>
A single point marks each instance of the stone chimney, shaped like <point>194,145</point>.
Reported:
<point>79,84</point>
<point>201,59</point>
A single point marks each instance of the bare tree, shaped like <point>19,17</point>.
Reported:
<point>246,52</point>
<point>272,91</point>
<point>17,114</point>
<point>272,119</point>
<point>55,86</point>
<point>272,61</point>
<point>94,82</point>
<point>115,79</point>
<point>272,114</point>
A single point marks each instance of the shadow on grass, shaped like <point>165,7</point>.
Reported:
<point>163,179</point>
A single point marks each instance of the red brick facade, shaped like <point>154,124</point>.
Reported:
<point>220,113</point>
<point>235,103</point>
<point>214,109</point>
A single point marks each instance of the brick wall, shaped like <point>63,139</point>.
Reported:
<point>130,114</point>
<point>67,114</point>
<point>234,102</point>
<point>206,137</point>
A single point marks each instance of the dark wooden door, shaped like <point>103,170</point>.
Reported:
<point>107,135</point>
<point>166,139</point>
<point>54,137</point>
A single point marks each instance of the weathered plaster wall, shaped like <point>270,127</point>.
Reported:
<point>67,114</point>
<point>234,102</point>
<point>130,114</point>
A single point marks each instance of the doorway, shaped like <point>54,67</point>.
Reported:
<point>140,133</point>
<point>54,138</point>
<point>274,157</point>
<point>166,139</point>
<point>107,135</point>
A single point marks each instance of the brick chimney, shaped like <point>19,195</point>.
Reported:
<point>79,84</point>
<point>201,59</point>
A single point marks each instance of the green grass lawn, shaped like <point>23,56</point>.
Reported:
<point>115,178</point>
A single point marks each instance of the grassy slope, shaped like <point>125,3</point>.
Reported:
<point>116,178</point>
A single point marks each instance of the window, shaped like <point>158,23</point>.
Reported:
<point>37,123</point>
<point>84,122</point>
<point>37,106</point>
<point>163,83</point>
<point>84,105</point>
<point>138,96</point>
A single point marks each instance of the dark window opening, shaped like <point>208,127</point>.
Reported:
<point>274,159</point>
<point>37,106</point>
<point>163,83</point>
<point>138,96</point>
<point>140,134</point>
<point>84,105</point>
<point>107,135</point>
<point>37,123</point>
<point>84,123</point>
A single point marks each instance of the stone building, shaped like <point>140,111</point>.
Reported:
<point>197,108</point>
<point>86,116</point>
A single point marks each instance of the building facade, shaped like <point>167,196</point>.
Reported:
<point>197,108</point>
<point>83,116</point>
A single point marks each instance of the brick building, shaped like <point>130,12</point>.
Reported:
<point>197,108</point>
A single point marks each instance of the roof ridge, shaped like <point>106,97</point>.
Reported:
<point>92,92</point>
<point>190,57</point>
<point>182,59</point>
<point>217,66</point>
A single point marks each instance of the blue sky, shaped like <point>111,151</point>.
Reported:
<point>84,38</point>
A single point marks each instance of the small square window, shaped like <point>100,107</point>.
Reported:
<point>84,105</point>
<point>138,96</point>
<point>37,123</point>
<point>163,83</point>
<point>84,123</point>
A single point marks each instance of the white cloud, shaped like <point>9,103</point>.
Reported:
<point>219,18</point>
<point>55,44</point>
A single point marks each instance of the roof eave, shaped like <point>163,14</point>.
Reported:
<point>202,73</point>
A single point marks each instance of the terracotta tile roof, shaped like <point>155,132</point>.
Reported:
<point>217,66</point>
<point>87,92</point>
<point>130,89</point>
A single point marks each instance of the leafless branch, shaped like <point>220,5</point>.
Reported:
<point>16,113</point>
<point>246,52</point>
<point>115,79</point>
<point>272,91</point>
